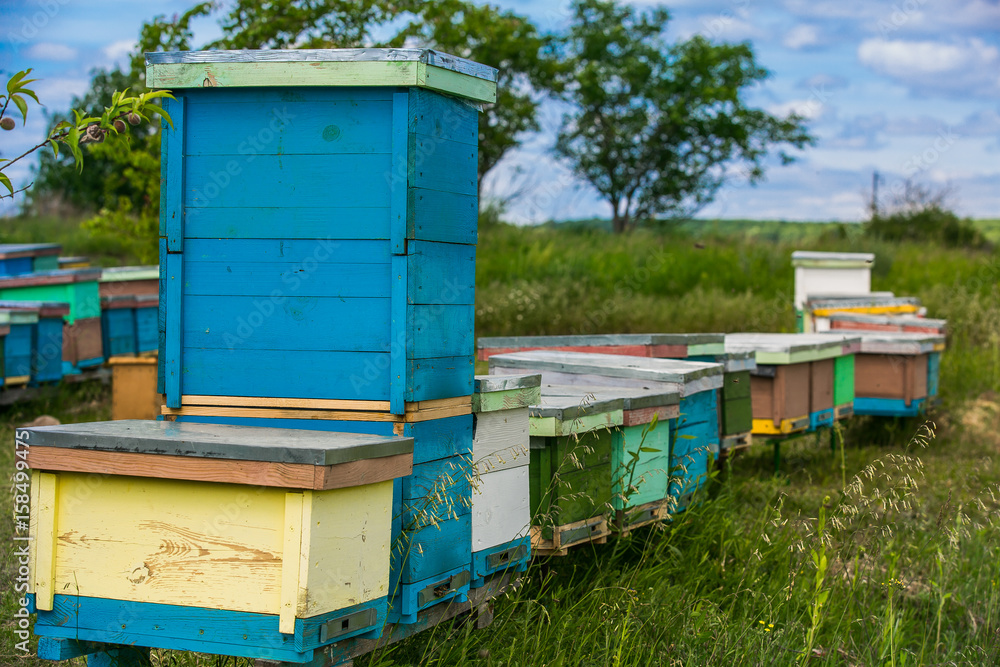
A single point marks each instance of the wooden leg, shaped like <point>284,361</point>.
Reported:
<point>120,656</point>
<point>777,456</point>
<point>484,615</point>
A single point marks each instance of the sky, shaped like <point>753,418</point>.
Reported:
<point>908,88</point>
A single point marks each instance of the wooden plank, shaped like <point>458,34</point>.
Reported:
<point>397,175</point>
<point>172,214</point>
<point>172,360</point>
<point>447,217</point>
<point>303,252</point>
<point>47,538</point>
<point>133,389</point>
<point>437,548</point>
<point>455,83</point>
<point>437,378</point>
<point>333,220</point>
<point>500,507</point>
<point>318,73</point>
<point>501,440</point>
<point>443,117</point>
<point>556,363</point>
<point>821,385</point>
<point>510,399</point>
<point>645,415</point>
<point>455,402</point>
<point>218,442</point>
<point>291,279</point>
<point>441,273</point>
<point>439,331</point>
<point>399,336</point>
<point>553,427</point>
<point>326,415</point>
<point>645,479</point>
<point>289,127</point>
<point>309,403</point>
<point>277,180</point>
<point>440,164</point>
<point>300,251</point>
<point>230,471</point>
<point>294,525</point>
<point>286,323</point>
<point>344,553</point>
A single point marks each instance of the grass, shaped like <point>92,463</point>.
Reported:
<point>883,552</point>
<point>102,249</point>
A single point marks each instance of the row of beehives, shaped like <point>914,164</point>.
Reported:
<point>609,433</point>
<point>58,317</point>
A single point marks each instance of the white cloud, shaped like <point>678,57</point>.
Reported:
<point>971,66</point>
<point>116,52</point>
<point>808,108</point>
<point>51,51</point>
<point>801,37</point>
<point>56,93</point>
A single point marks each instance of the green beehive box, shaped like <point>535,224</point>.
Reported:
<point>77,287</point>
<point>570,465</point>
<point>641,450</point>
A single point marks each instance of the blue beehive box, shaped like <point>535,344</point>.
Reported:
<point>146,311</point>
<point>20,258</point>
<point>38,332</point>
<point>118,326</point>
<point>318,216</point>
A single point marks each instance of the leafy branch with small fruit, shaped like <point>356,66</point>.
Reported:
<point>114,122</point>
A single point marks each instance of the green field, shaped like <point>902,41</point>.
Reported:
<point>883,552</point>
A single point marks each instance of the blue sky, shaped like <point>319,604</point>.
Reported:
<point>909,87</point>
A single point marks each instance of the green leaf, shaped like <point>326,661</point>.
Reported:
<point>6,182</point>
<point>651,450</point>
<point>687,437</point>
<point>16,79</point>
<point>30,93</point>
<point>22,105</point>
<point>159,110</point>
<point>55,147</point>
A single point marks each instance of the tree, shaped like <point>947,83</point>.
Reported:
<point>922,214</point>
<point>483,33</point>
<point>305,24</point>
<point>526,61</point>
<point>108,182</point>
<point>113,123</point>
<point>657,125</point>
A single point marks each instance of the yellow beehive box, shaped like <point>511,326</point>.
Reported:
<point>233,540</point>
